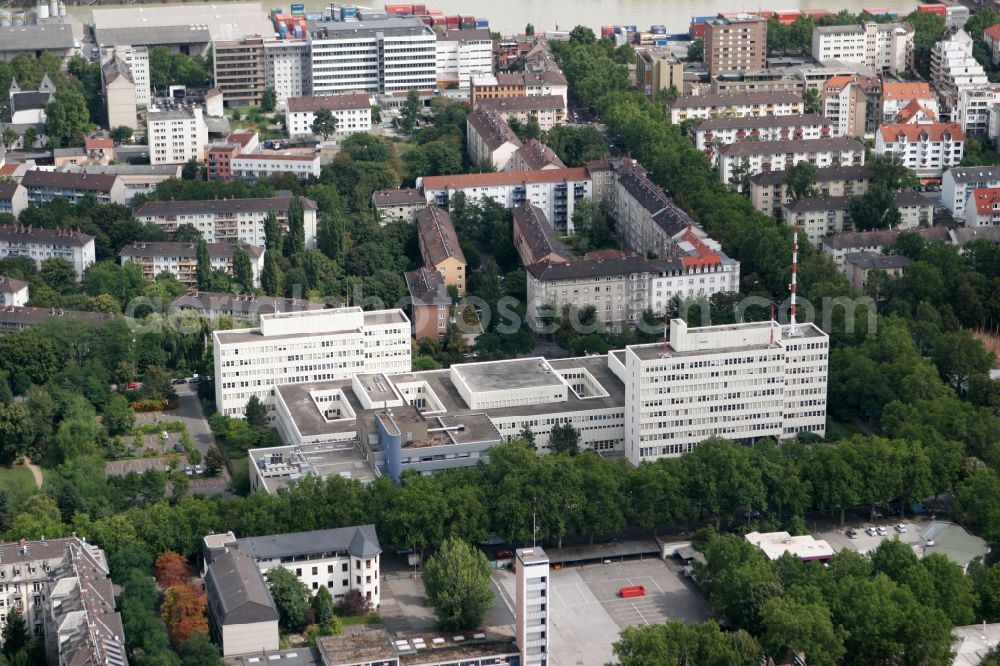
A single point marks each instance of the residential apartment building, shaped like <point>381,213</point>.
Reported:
<point>658,69</point>
<point>398,205</point>
<point>44,186</point>
<point>490,138</point>
<point>229,220</point>
<point>242,616</point>
<point>818,217</point>
<point>297,347</point>
<point>462,54</point>
<point>957,185</point>
<point>120,98</point>
<point>877,46</point>
<point>238,307</point>
<point>239,70</point>
<point>534,155</point>
<point>679,394</point>
<point>379,57</point>
<point>860,265</point>
<point>555,191</point>
<point>429,303</point>
<point>534,238</point>
<point>136,59</point>
<point>251,167</point>
<point>531,617</point>
<point>955,68</point>
<point>983,208</point>
<point>928,149</point>
<point>181,259</point>
<point>547,110</point>
<point>13,197</point>
<point>768,190</point>
<point>915,209</point>
<point>353,112</point>
<point>136,178</point>
<point>13,293</point>
<point>713,105</point>
<point>992,38</point>
<point>897,96</point>
<point>341,559</point>
<point>40,244</point>
<point>439,246</point>
<point>735,44</point>
<point>711,134</point>
<point>838,246</point>
<point>852,104</point>
<point>752,158</point>
<point>546,81</point>
<point>287,68</point>
<point>646,219</point>
<point>973,110</point>
<point>176,136</point>
<point>19,318</point>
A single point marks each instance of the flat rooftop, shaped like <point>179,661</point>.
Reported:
<point>338,458</point>
<point>654,350</point>
<point>509,375</point>
<point>375,318</point>
<point>440,647</point>
<point>222,21</point>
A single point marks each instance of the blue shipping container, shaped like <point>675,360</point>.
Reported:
<point>659,42</point>
<point>298,9</point>
<point>482,23</point>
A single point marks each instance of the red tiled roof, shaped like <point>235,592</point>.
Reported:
<point>95,144</point>
<point>463,180</point>
<point>242,138</point>
<point>912,109</point>
<point>987,198</point>
<point>906,90</point>
<point>993,32</point>
<point>934,131</point>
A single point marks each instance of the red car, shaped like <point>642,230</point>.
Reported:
<point>505,555</point>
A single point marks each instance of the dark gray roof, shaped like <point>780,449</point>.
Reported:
<point>30,316</point>
<point>735,99</point>
<point>22,234</point>
<point>355,29</point>
<point>642,189</point>
<point>359,541</point>
<point>823,175</point>
<point>31,99</point>
<point>65,180</point>
<point>477,34</point>
<point>437,235</point>
<point>492,128</point>
<point>524,103</point>
<point>216,206</point>
<point>51,36</point>
<point>537,232</point>
<point>426,287</point>
<point>880,238</point>
<point>801,145</point>
<point>236,590</point>
<point>872,260</point>
<point>753,122</point>
<point>168,249</point>
<point>225,302</point>
<point>538,156</point>
<point>153,35</point>
<point>974,174</point>
<point>911,198</point>
<point>398,197</point>
<point>965,235</point>
<point>590,268</point>
<point>813,204</point>
<point>8,189</point>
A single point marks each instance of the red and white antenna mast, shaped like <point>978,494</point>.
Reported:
<point>793,327</point>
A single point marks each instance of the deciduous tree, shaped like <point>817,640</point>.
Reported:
<point>457,581</point>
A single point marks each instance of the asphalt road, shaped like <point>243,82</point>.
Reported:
<point>190,412</point>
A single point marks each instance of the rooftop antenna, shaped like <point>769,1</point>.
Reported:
<point>772,325</point>
<point>666,327</point>
<point>793,327</point>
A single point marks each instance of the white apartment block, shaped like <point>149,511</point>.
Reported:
<point>176,136</point>
<point>740,382</point>
<point>40,244</point>
<point>251,167</point>
<point>462,54</point>
<point>877,46</point>
<point>974,107</point>
<point>928,149</point>
<point>958,183</point>
<point>309,346</point>
<point>137,60</point>
<point>740,105</point>
<point>287,68</point>
<point>531,617</point>
<point>13,293</point>
<point>228,220</point>
<point>181,259</point>
<point>983,208</point>
<point>897,95</point>
<point>353,112</point>
<point>341,559</point>
<point>119,92</point>
<point>768,190</point>
<point>555,191</point>
<point>954,68</point>
<point>754,157</point>
<point>713,133</point>
<point>379,57</point>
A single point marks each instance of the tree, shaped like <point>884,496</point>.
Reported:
<point>272,233</point>
<point>66,116</point>
<point>696,50</point>
<point>59,274</point>
<point>667,96</point>
<point>119,418</point>
<point>801,180</point>
<point>242,271</point>
<point>875,209</point>
<point>30,352</point>
<point>256,413</point>
<point>199,650</point>
<point>355,603</point>
<point>295,241</point>
<point>529,30</point>
<point>171,569</point>
<point>457,581</point>
<point>959,356</point>
<point>678,644</point>
<point>8,136</point>
<point>121,134</point>
<point>322,605</point>
<point>183,611</point>
<point>564,438</point>
<point>794,626</point>
<point>812,101</point>
<point>17,432</point>
<point>582,35</point>
<point>203,270</point>
<point>214,461</point>
<point>324,123</point>
<point>30,138</point>
<point>410,113</point>
<point>14,634</point>
<point>891,173</point>
<point>291,597</point>
<point>269,100</point>
<point>270,276</point>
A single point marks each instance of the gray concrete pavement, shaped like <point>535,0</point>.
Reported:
<point>189,411</point>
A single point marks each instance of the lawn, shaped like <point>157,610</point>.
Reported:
<point>17,481</point>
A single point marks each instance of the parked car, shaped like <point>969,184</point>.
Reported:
<point>901,528</point>
<point>870,531</point>
<point>881,531</point>
<point>188,470</point>
<point>505,555</point>
<point>199,469</point>
<point>852,533</point>
<point>178,382</point>
<point>178,447</point>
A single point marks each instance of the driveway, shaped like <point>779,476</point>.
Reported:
<point>193,416</point>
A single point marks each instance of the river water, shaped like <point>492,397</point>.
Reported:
<point>511,16</point>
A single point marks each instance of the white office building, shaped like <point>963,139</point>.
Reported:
<point>228,220</point>
<point>40,244</point>
<point>353,112</point>
<point>379,57</point>
<point>877,46</point>
<point>176,136</point>
<point>958,183</point>
<point>310,346</point>
<point>740,382</point>
<point>287,68</point>
<point>462,54</point>
<point>531,621</point>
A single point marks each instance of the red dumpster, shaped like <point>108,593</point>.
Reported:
<point>632,591</point>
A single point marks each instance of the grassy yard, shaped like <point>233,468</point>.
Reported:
<point>17,481</point>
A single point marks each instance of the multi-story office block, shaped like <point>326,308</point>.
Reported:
<point>382,56</point>
<point>287,68</point>
<point>735,44</point>
<point>181,259</point>
<point>740,382</point>
<point>753,157</point>
<point>229,220</point>
<point>462,54</point>
<point>176,136</point>
<point>40,244</point>
<point>768,190</point>
<point>926,149</point>
<point>711,134</point>
<point>658,69</point>
<point>713,105</point>
<point>877,46</point>
<point>353,112</point>
<point>239,70</point>
<point>297,347</point>
<point>531,585</point>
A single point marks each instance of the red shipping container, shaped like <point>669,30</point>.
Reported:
<point>399,9</point>
<point>940,10</point>
<point>697,31</point>
<point>453,21</point>
<point>419,9</point>
<point>607,31</point>
<point>632,591</point>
